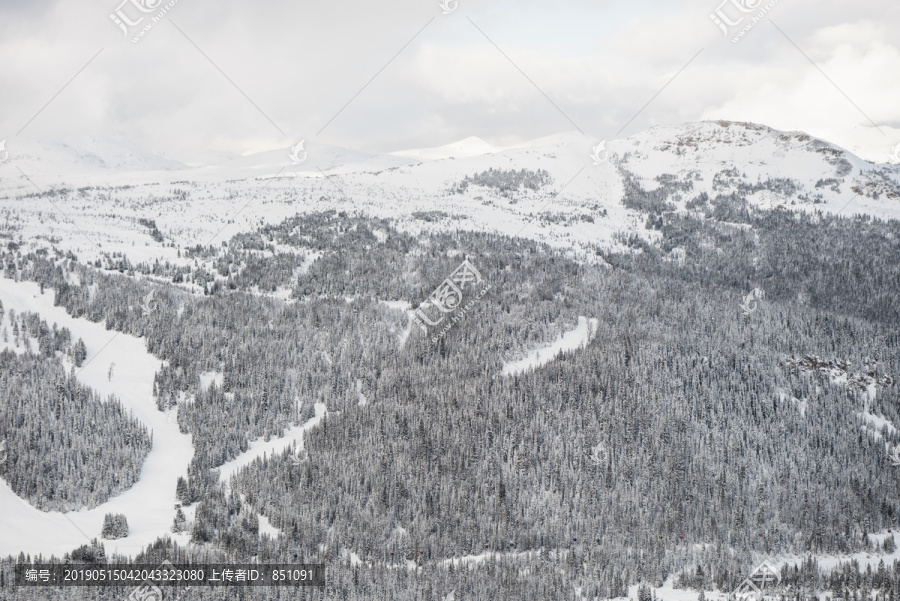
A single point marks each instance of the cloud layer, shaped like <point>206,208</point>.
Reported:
<point>395,74</point>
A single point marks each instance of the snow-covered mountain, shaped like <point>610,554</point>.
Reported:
<point>310,157</point>
<point>579,204</point>
<point>243,299</point>
<point>85,155</point>
<point>468,147</point>
<point>822,173</point>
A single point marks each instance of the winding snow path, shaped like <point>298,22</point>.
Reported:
<point>149,503</point>
<point>569,341</point>
<point>260,448</point>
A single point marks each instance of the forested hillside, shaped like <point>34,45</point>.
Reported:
<point>66,447</point>
<point>684,422</point>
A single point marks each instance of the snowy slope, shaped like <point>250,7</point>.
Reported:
<point>311,159</point>
<point>759,153</point>
<point>581,207</point>
<point>149,504</point>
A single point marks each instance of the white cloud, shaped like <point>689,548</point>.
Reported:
<point>793,95</point>
<point>301,62</point>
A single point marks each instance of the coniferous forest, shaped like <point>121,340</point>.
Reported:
<point>687,439</point>
<point>66,448</point>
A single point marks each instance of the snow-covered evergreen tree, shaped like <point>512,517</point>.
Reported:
<point>115,525</point>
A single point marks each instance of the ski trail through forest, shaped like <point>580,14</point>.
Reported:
<point>149,504</point>
<point>568,341</point>
<point>258,449</point>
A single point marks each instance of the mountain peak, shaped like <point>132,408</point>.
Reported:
<point>467,147</point>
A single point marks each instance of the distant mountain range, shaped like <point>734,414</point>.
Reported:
<point>591,191</point>
<point>698,146</point>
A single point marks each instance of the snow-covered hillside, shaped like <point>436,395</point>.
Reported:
<point>91,156</point>
<point>569,341</point>
<point>89,199</point>
<point>117,364</point>
<point>828,175</point>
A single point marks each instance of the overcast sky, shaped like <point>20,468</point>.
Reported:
<point>249,76</point>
